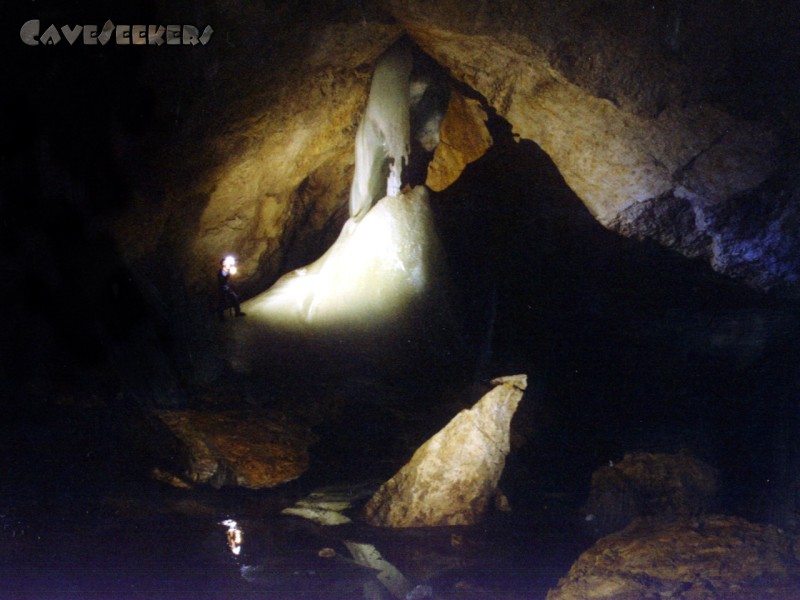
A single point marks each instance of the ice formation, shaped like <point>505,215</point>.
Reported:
<point>383,275</point>
<point>383,136</point>
<point>375,269</point>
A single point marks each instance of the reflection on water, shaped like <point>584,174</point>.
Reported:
<point>59,540</point>
<point>234,536</point>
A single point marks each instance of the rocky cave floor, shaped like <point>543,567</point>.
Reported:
<point>83,516</point>
<point>627,347</point>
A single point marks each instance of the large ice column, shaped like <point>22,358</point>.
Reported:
<point>383,136</point>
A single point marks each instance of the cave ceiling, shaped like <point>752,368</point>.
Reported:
<point>670,121</point>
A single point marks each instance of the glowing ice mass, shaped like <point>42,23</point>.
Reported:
<point>383,134</point>
<point>386,255</point>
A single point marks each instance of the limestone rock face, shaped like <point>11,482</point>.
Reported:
<point>262,160</point>
<point>708,558</point>
<point>628,106</point>
<point>237,448</point>
<point>452,477</point>
<point>752,236</point>
<point>646,109</point>
<point>612,154</point>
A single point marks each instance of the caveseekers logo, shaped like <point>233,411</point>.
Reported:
<point>123,35</point>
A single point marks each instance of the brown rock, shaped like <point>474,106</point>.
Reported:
<point>613,151</point>
<point>645,484</point>
<point>452,478</point>
<point>238,448</point>
<point>464,138</point>
<point>709,558</point>
<point>634,102</point>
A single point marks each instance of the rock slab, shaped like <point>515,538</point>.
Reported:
<point>452,478</point>
<point>464,139</point>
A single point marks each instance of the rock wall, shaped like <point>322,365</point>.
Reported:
<point>646,113</point>
<point>260,157</point>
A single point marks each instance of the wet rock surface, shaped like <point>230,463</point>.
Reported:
<point>452,478</point>
<point>231,448</point>
<point>646,484</point>
<point>706,558</point>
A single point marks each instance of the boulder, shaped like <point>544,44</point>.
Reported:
<point>712,557</point>
<point>645,484</point>
<point>452,478</point>
<point>233,448</point>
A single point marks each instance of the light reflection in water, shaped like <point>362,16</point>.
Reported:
<point>234,535</point>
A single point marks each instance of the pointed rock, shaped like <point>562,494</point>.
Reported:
<point>452,478</point>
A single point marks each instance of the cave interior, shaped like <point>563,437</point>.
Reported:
<point>628,346</point>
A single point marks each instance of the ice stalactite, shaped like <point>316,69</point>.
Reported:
<point>383,137</point>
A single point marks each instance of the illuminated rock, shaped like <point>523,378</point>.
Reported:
<point>638,104</point>
<point>706,558</point>
<point>452,478</point>
<point>268,143</point>
<point>387,263</point>
<point>383,281</point>
<point>237,448</point>
<point>613,153</point>
<point>645,484</point>
<point>464,139</point>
